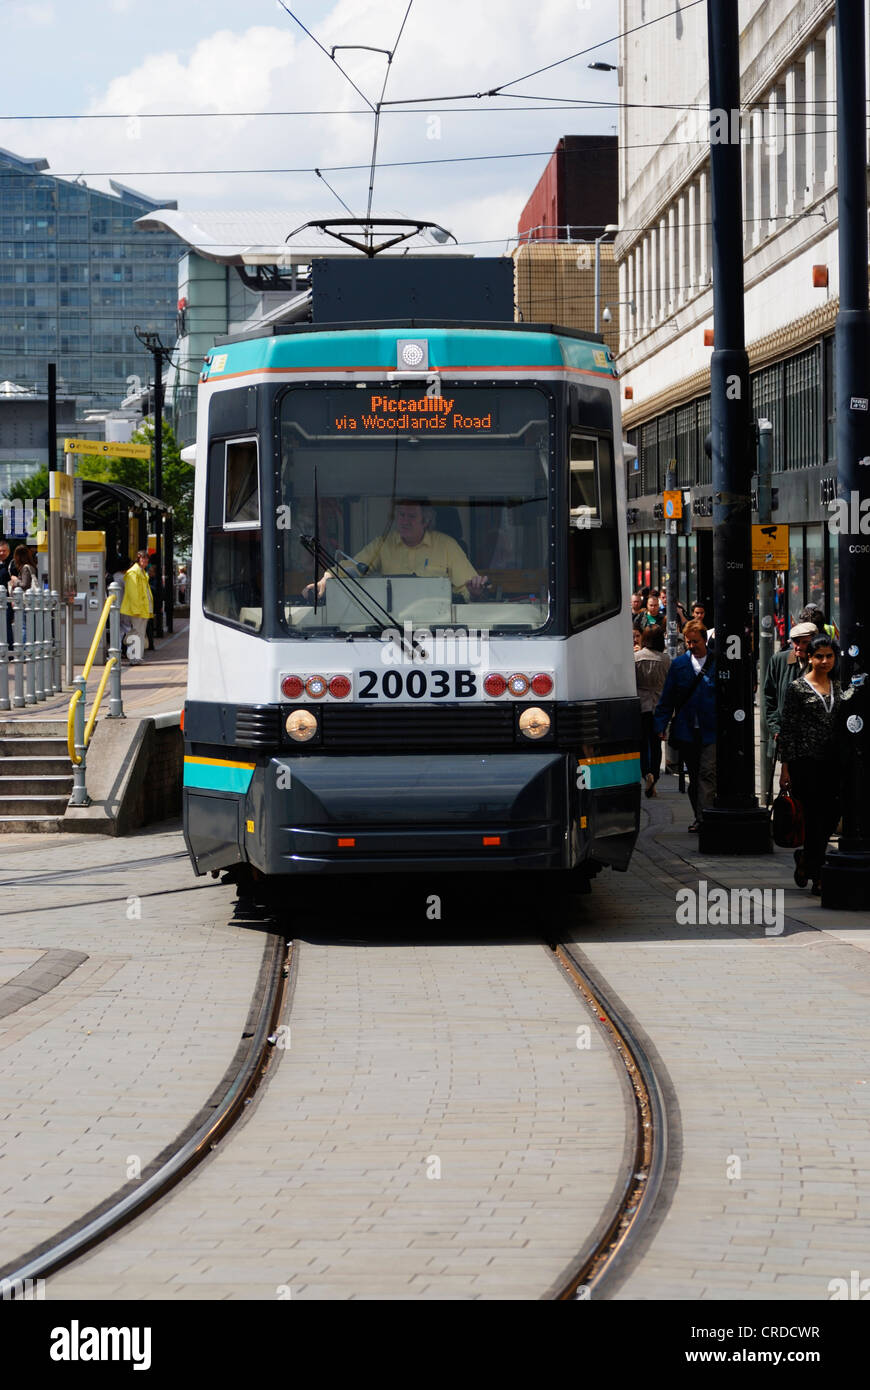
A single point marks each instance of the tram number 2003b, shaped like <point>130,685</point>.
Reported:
<point>417,684</point>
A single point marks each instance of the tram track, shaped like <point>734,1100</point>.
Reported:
<point>613,1227</point>
<point>192,1145</point>
<point>634,1205</point>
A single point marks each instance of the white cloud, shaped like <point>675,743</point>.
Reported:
<point>41,16</point>
<point>448,46</point>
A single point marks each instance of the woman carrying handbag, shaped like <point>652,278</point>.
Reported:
<point>809,765</point>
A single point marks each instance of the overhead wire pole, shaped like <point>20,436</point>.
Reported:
<point>846,871</point>
<point>159,354</point>
<point>736,824</point>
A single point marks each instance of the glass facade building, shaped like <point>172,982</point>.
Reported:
<point>75,278</point>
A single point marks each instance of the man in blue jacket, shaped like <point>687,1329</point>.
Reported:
<point>689,698</point>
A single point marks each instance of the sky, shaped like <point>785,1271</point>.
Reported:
<point>125,62</point>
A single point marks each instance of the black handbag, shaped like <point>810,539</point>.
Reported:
<point>787,820</point>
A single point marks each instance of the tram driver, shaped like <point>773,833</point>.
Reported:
<point>411,546</point>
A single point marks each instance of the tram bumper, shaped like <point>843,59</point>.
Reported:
<point>459,811</point>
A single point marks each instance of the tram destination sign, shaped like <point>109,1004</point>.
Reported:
<point>392,414</point>
<point>770,547</point>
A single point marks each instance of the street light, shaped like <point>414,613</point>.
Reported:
<point>611,227</point>
<point>602,67</point>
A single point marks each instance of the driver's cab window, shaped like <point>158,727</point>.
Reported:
<point>593,541</point>
<point>233,542</point>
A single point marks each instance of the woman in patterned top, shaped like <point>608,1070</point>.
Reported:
<point>806,746</point>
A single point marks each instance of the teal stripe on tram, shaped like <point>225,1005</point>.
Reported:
<point>612,772</point>
<point>217,777</point>
<point>375,349</point>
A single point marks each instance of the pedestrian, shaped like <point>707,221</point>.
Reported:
<point>136,606</point>
<point>808,751</point>
<point>636,605</point>
<point>22,573</point>
<point>182,586</point>
<point>651,616</point>
<point>637,638</point>
<point>651,665</point>
<point>152,584</point>
<point>785,667</point>
<point>689,699</point>
<point>5,578</point>
<point>813,613</point>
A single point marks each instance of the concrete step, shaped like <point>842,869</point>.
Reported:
<point>35,747</point>
<point>32,728</point>
<point>35,786</point>
<point>13,825</point>
<point>36,768</point>
<point>33,805</point>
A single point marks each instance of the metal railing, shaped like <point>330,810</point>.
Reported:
<point>30,664</point>
<point>78,734</point>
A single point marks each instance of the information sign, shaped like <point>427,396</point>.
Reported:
<point>770,547</point>
<point>102,446</point>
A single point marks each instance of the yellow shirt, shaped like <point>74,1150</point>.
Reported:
<point>137,602</point>
<point>437,557</point>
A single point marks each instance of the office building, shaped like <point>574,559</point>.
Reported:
<point>789,158</point>
<point>75,278</point>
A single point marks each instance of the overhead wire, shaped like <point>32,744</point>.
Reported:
<point>829,129</point>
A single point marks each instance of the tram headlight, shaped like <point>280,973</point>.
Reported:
<point>534,723</point>
<point>301,725</point>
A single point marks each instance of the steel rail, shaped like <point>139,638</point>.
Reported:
<point>94,1228</point>
<point>646,1172</point>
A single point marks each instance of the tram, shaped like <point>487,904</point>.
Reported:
<point>409,636</point>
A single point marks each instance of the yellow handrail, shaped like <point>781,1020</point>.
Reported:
<point>89,727</point>
<point>70,724</point>
<point>78,694</point>
<point>86,669</point>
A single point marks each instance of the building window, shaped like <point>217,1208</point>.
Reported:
<point>802,400</point>
<point>633,466</point>
<point>830,400</point>
<point>667,446</point>
<point>705,462</point>
<point>686,443</point>
<point>796,573</point>
<point>649,450</point>
<point>767,404</point>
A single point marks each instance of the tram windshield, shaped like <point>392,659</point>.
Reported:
<point>431,509</point>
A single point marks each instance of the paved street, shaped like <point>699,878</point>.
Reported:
<point>138,987</point>
<point>431,1128</point>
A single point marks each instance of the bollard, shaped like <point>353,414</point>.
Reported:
<point>116,706</point>
<point>55,643</point>
<point>39,642</point>
<point>18,648</point>
<point>79,792</point>
<point>4,652</point>
<point>29,647</point>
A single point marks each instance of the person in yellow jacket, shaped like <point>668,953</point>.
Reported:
<point>136,608</point>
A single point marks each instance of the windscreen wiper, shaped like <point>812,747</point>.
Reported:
<point>372,607</point>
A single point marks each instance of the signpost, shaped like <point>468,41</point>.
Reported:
<point>62,555</point>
